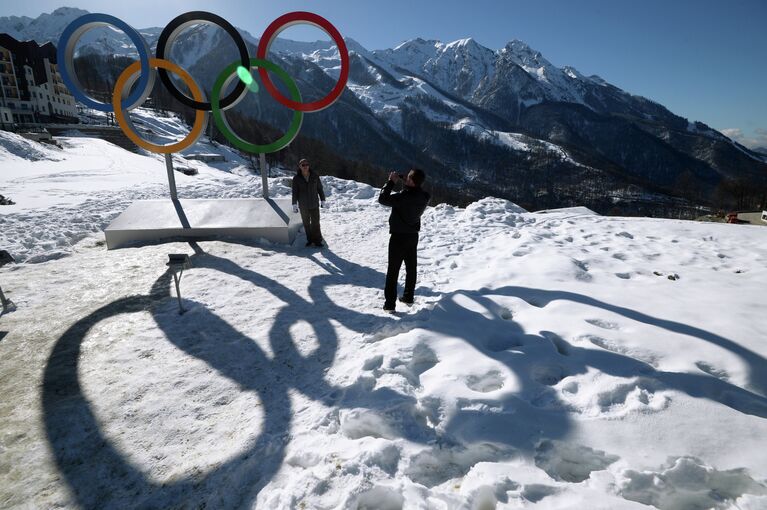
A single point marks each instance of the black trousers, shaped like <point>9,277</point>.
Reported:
<point>311,221</point>
<point>402,248</point>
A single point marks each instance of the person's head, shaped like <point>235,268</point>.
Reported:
<point>415,178</point>
<point>303,165</point>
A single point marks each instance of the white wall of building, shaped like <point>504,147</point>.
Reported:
<point>46,99</point>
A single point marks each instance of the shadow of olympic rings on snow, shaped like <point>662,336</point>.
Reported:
<point>540,407</point>
<point>101,477</point>
<point>757,365</point>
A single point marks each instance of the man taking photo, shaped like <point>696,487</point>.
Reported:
<point>404,224</point>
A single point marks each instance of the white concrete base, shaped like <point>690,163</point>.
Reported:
<point>157,221</point>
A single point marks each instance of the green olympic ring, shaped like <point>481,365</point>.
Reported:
<point>226,76</point>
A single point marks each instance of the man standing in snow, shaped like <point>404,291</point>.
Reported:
<point>307,187</point>
<point>404,225</point>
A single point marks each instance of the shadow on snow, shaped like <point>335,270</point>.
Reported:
<point>101,477</point>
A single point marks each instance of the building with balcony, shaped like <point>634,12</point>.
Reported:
<point>31,89</point>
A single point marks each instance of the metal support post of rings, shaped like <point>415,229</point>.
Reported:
<point>142,73</point>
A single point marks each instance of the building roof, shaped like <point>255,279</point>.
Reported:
<point>29,53</point>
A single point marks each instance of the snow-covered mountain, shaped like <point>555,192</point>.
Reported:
<point>516,92</point>
<point>48,28</point>
<point>464,67</point>
<point>460,67</point>
<point>468,113</point>
<point>552,360</point>
<point>196,42</point>
<point>44,28</point>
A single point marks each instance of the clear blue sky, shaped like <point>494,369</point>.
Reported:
<point>703,59</point>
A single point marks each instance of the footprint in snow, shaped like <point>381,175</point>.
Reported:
<point>547,374</point>
<point>436,465</point>
<point>534,302</point>
<point>486,383</point>
<point>570,462</point>
<point>562,346</point>
<point>640,395</point>
<point>501,343</point>
<point>711,370</point>
<point>373,363</point>
<point>600,323</point>
<point>422,359</point>
<point>648,358</point>
<point>505,314</point>
<point>536,492</point>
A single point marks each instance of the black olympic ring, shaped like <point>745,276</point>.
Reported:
<point>168,37</point>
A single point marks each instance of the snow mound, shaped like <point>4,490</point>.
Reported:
<point>686,482</point>
<point>486,213</point>
<point>15,147</point>
<point>491,205</point>
<point>569,210</point>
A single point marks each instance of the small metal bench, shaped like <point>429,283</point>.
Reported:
<point>177,263</point>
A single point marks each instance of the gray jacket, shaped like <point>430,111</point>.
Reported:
<point>305,193</point>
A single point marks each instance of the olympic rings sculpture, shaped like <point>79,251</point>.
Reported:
<point>142,74</point>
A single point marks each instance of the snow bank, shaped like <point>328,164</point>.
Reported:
<point>15,147</point>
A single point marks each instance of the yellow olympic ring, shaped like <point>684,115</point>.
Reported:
<point>123,85</point>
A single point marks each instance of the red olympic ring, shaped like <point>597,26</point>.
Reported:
<point>282,23</point>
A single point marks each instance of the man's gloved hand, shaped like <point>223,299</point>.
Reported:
<point>295,208</point>
<point>322,204</point>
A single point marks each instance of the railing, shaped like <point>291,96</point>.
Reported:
<point>27,128</point>
<point>42,127</point>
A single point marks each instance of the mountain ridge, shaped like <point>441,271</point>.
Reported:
<point>464,93</point>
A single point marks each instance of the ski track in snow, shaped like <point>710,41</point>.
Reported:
<point>549,361</point>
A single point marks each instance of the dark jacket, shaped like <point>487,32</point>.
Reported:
<point>305,193</point>
<point>407,207</point>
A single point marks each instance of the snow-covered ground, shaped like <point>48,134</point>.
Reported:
<point>549,360</point>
